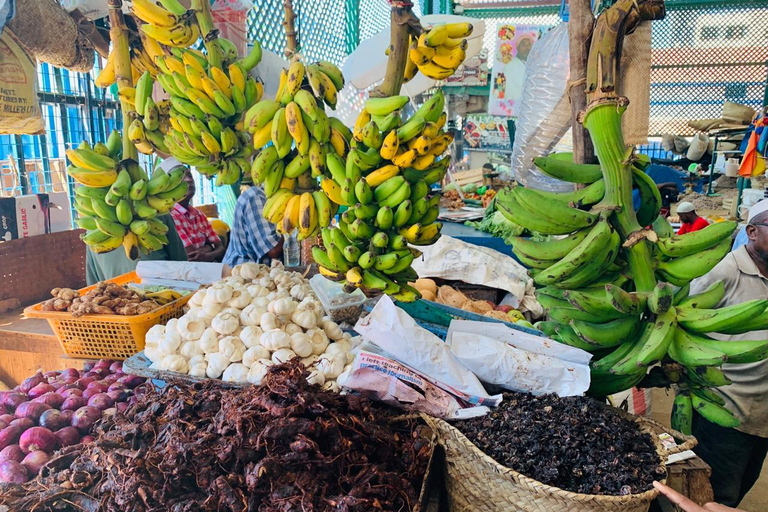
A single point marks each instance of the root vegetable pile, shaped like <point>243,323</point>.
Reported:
<point>573,443</point>
<point>285,445</point>
<point>105,299</point>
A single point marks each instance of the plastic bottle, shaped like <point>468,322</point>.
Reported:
<point>291,251</point>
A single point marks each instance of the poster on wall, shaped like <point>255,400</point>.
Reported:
<point>473,72</point>
<point>513,44</point>
<point>483,132</point>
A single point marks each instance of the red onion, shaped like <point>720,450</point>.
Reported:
<point>121,406</point>
<point>53,420</point>
<point>13,472</point>
<point>131,380</point>
<point>69,372</point>
<point>34,461</point>
<point>83,382</point>
<point>7,418</point>
<point>104,363</point>
<point>88,393</point>
<point>109,379</point>
<point>118,395</point>
<point>3,394</point>
<point>67,436</point>
<point>87,439</point>
<point>68,414</point>
<point>11,452</point>
<point>56,384</point>
<point>108,412</point>
<point>37,438</point>
<point>69,380</point>
<point>93,374</point>
<point>71,392</point>
<point>3,424</point>
<point>115,367</point>
<point>31,410</point>
<point>88,367</point>
<point>53,399</point>
<point>40,390</point>
<point>101,401</point>
<point>117,386</point>
<point>100,385</point>
<point>13,400</point>
<point>133,400</point>
<point>31,382</point>
<point>73,403</point>
<point>51,375</point>
<point>9,435</point>
<point>85,417</point>
<point>23,423</point>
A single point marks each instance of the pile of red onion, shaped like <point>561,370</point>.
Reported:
<point>55,409</point>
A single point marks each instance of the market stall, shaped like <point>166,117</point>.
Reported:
<point>458,333</point>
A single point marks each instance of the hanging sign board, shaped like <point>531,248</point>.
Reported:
<point>513,44</point>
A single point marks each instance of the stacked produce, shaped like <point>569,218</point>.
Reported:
<point>285,445</point>
<point>105,299</point>
<point>438,51</point>
<point>143,52</point>
<point>240,326</point>
<point>595,451</point>
<point>55,410</point>
<point>619,290</point>
<point>385,183</point>
<point>117,202</point>
<point>303,138</point>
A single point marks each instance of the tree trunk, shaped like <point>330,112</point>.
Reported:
<point>580,23</point>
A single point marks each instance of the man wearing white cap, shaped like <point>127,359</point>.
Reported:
<point>741,237</point>
<point>736,455</point>
<point>691,221</point>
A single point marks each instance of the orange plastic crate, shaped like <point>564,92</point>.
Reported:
<point>106,336</point>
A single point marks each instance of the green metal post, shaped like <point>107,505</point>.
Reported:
<point>352,22</point>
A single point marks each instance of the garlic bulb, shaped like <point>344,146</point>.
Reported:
<point>332,329</point>
<point>304,318</point>
<point>332,386</point>
<point>275,339</point>
<point>197,298</point>
<point>174,363</point>
<point>251,315</point>
<point>196,359</point>
<point>318,339</point>
<point>191,349</point>
<point>310,360</point>
<point>219,292</point>
<point>225,322</point>
<point>212,309</point>
<point>235,373</point>
<point>331,366</point>
<point>209,341</point>
<point>217,363</point>
<point>190,327</point>
<point>298,292</point>
<point>282,307</point>
<point>171,342</point>
<point>257,291</point>
<point>258,371</point>
<point>254,354</point>
<point>268,322</point>
<point>154,334</point>
<point>232,348</point>
<point>198,369</point>
<point>248,270</point>
<point>291,328</point>
<point>301,345</point>
<point>316,378</point>
<point>240,298</point>
<point>172,324</point>
<point>251,336</point>
<point>283,355</point>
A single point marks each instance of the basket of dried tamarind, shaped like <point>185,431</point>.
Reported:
<point>108,320</point>
<point>551,454</point>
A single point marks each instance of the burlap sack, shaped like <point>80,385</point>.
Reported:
<point>49,34</point>
<point>19,109</point>
<point>635,84</point>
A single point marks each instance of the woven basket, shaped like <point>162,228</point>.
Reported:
<point>477,483</point>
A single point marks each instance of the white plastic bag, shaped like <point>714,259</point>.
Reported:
<point>544,113</point>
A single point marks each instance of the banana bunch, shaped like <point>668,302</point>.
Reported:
<point>385,182</point>
<point>303,138</point>
<point>167,21</point>
<point>590,293</point>
<point>206,106</point>
<point>117,202</point>
<point>163,297</point>
<point>438,52</point>
<point>151,121</point>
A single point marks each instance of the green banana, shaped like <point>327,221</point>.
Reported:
<point>696,241</point>
<point>650,197</point>
<point>681,270</point>
<point>551,249</point>
<point>682,412</point>
<point>560,166</point>
<point>707,299</point>
<point>714,413</point>
<point>609,334</point>
<point>581,256</point>
<point>714,320</point>
<point>686,350</point>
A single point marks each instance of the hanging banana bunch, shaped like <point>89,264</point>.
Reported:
<point>303,139</point>
<point>616,289</point>
<point>438,51</point>
<point>385,182</point>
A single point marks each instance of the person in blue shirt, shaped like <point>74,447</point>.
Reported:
<point>253,238</point>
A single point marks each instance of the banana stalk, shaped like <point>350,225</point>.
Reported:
<point>402,21</point>
<point>118,34</point>
<point>291,35</point>
<point>208,31</point>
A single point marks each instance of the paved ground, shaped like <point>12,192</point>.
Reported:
<point>757,499</point>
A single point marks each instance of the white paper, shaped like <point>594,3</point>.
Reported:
<point>451,258</point>
<point>519,361</point>
<point>395,332</point>
<point>190,271</point>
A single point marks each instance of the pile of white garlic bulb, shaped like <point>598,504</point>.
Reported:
<point>238,327</point>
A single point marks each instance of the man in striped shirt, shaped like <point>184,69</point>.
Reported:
<point>253,238</point>
<point>200,241</point>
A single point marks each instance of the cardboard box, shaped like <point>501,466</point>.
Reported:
<point>59,212</point>
<point>24,216</point>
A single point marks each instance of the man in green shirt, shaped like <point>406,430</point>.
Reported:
<point>100,267</point>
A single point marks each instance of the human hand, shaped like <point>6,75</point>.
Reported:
<point>686,504</point>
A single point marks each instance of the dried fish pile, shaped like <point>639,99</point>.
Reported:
<point>282,446</point>
<point>573,443</point>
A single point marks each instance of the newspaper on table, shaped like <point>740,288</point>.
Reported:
<point>519,361</point>
<point>451,258</point>
<point>179,274</point>
<point>399,338</point>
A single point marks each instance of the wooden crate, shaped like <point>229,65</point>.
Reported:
<point>462,178</point>
<point>690,478</point>
<point>32,266</point>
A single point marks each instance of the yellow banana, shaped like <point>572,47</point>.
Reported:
<point>107,76</point>
<point>237,77</point>
<point>222,80</point>
<point>291,214</point>
<point>149,12</point>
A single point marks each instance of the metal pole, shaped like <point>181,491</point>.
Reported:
<point>21,164</point>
